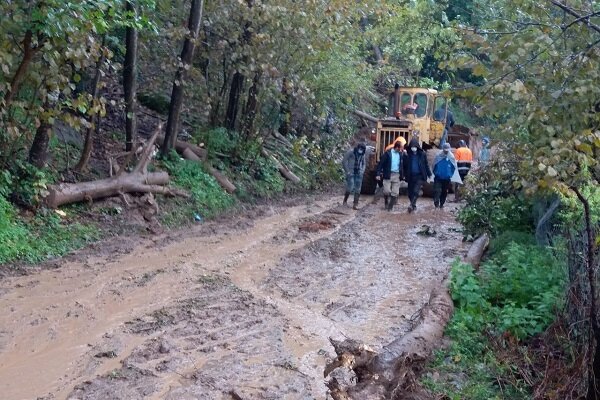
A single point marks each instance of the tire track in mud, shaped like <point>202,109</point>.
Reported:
<point>244,314</point>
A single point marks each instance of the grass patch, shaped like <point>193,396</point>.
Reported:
<point>208,198</point>
<point>43,237</point>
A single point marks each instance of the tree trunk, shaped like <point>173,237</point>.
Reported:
<point>38,153</point>
<point>187,55</point>
<point>182,146</point>
<point>594,334</point>
<point>283,170</point>
<point>130,81</point>
<point>237,85</point>
<point>15,84</point>
<point>476,251</point>
<point>89,134</point>
<point>139,181</point>
<point>285,108</point>
<point>224,182</point>
<point>251,106</point>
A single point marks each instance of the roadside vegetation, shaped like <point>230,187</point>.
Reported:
<point>255,100</point>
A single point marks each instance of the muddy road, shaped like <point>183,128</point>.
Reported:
<point>241,310</point>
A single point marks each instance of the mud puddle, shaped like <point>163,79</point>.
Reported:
<point>241,314</point>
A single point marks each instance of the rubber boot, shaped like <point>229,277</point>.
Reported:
<point>386,199</point>
<point>346,195</point>
<point>393,200</point>
<point>356,196</point>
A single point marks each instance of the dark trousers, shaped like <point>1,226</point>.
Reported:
<point>440,191</point>
<point>414,187</point>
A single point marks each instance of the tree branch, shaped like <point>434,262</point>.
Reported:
<point>574,13</point>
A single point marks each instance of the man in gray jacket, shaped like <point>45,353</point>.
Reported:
<point>354,163</point>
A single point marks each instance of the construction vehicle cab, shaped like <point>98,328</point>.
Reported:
<point>413,113</point>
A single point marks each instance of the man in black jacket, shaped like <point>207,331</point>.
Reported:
<point>416,171</point>
<point>391,169</point>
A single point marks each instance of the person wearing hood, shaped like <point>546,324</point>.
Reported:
<point>484,154</point>
<point>444,166</point>
<point>416,171</point>
<point>354,164</point>
<point>391,169</point>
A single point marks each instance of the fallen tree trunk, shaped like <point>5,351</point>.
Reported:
<point>182,146</point>
<point>222,179</point>
<point>283,170</point>
<point>476,251</point>
<point>137,181</point>
<point>390,373</point>
<point>365,116</point>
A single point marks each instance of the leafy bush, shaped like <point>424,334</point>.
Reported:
<point>208,198</point>
<point>517,292</point>
<point>30,186</point>
<point>493,210</point>
<point>261,178</point>
<point>219,140</point>
<point>571,214</point>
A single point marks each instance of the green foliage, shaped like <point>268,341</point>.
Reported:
<point>571,212</point>
<point>208,198</point>
<point>43,237</point>
<point>220,140</point>
<point>13,236</point>
<point>495,211</point>
<point>541,75</point>
<point>30,187</point>
<point>517,293</point>
<point>260,178</point>
<point>155,102</point>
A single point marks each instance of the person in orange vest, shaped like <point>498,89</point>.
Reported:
<point>464,158</point>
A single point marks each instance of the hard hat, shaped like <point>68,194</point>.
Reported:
<point>401,140</point>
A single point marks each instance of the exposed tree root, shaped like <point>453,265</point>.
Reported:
<point>391,374</point>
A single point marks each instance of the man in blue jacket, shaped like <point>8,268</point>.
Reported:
<point>391,169</point>
<point>444,166</point>
<point>416,171</point>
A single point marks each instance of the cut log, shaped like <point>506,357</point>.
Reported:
<point>476,251</point>
<point>181,146</point>
<point>67,193</point>
<point>389,373</point>
<point>365,116</point>
<point>283,170</point>
<point>138,181</point>
<point>222,179</point>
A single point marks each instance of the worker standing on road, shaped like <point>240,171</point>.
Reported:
<point>438,115</point>
<point>464,158</point>
<point>354,164</point>
<point>416,171</point>
<point>444,166</point>
<point>391,169</point>
<point>484,154</point>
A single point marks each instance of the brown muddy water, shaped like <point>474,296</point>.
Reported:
<point>243,313</point>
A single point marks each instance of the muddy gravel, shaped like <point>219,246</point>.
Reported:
<point>210,313</point>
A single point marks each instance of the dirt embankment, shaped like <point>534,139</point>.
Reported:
<point>244,312</point>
